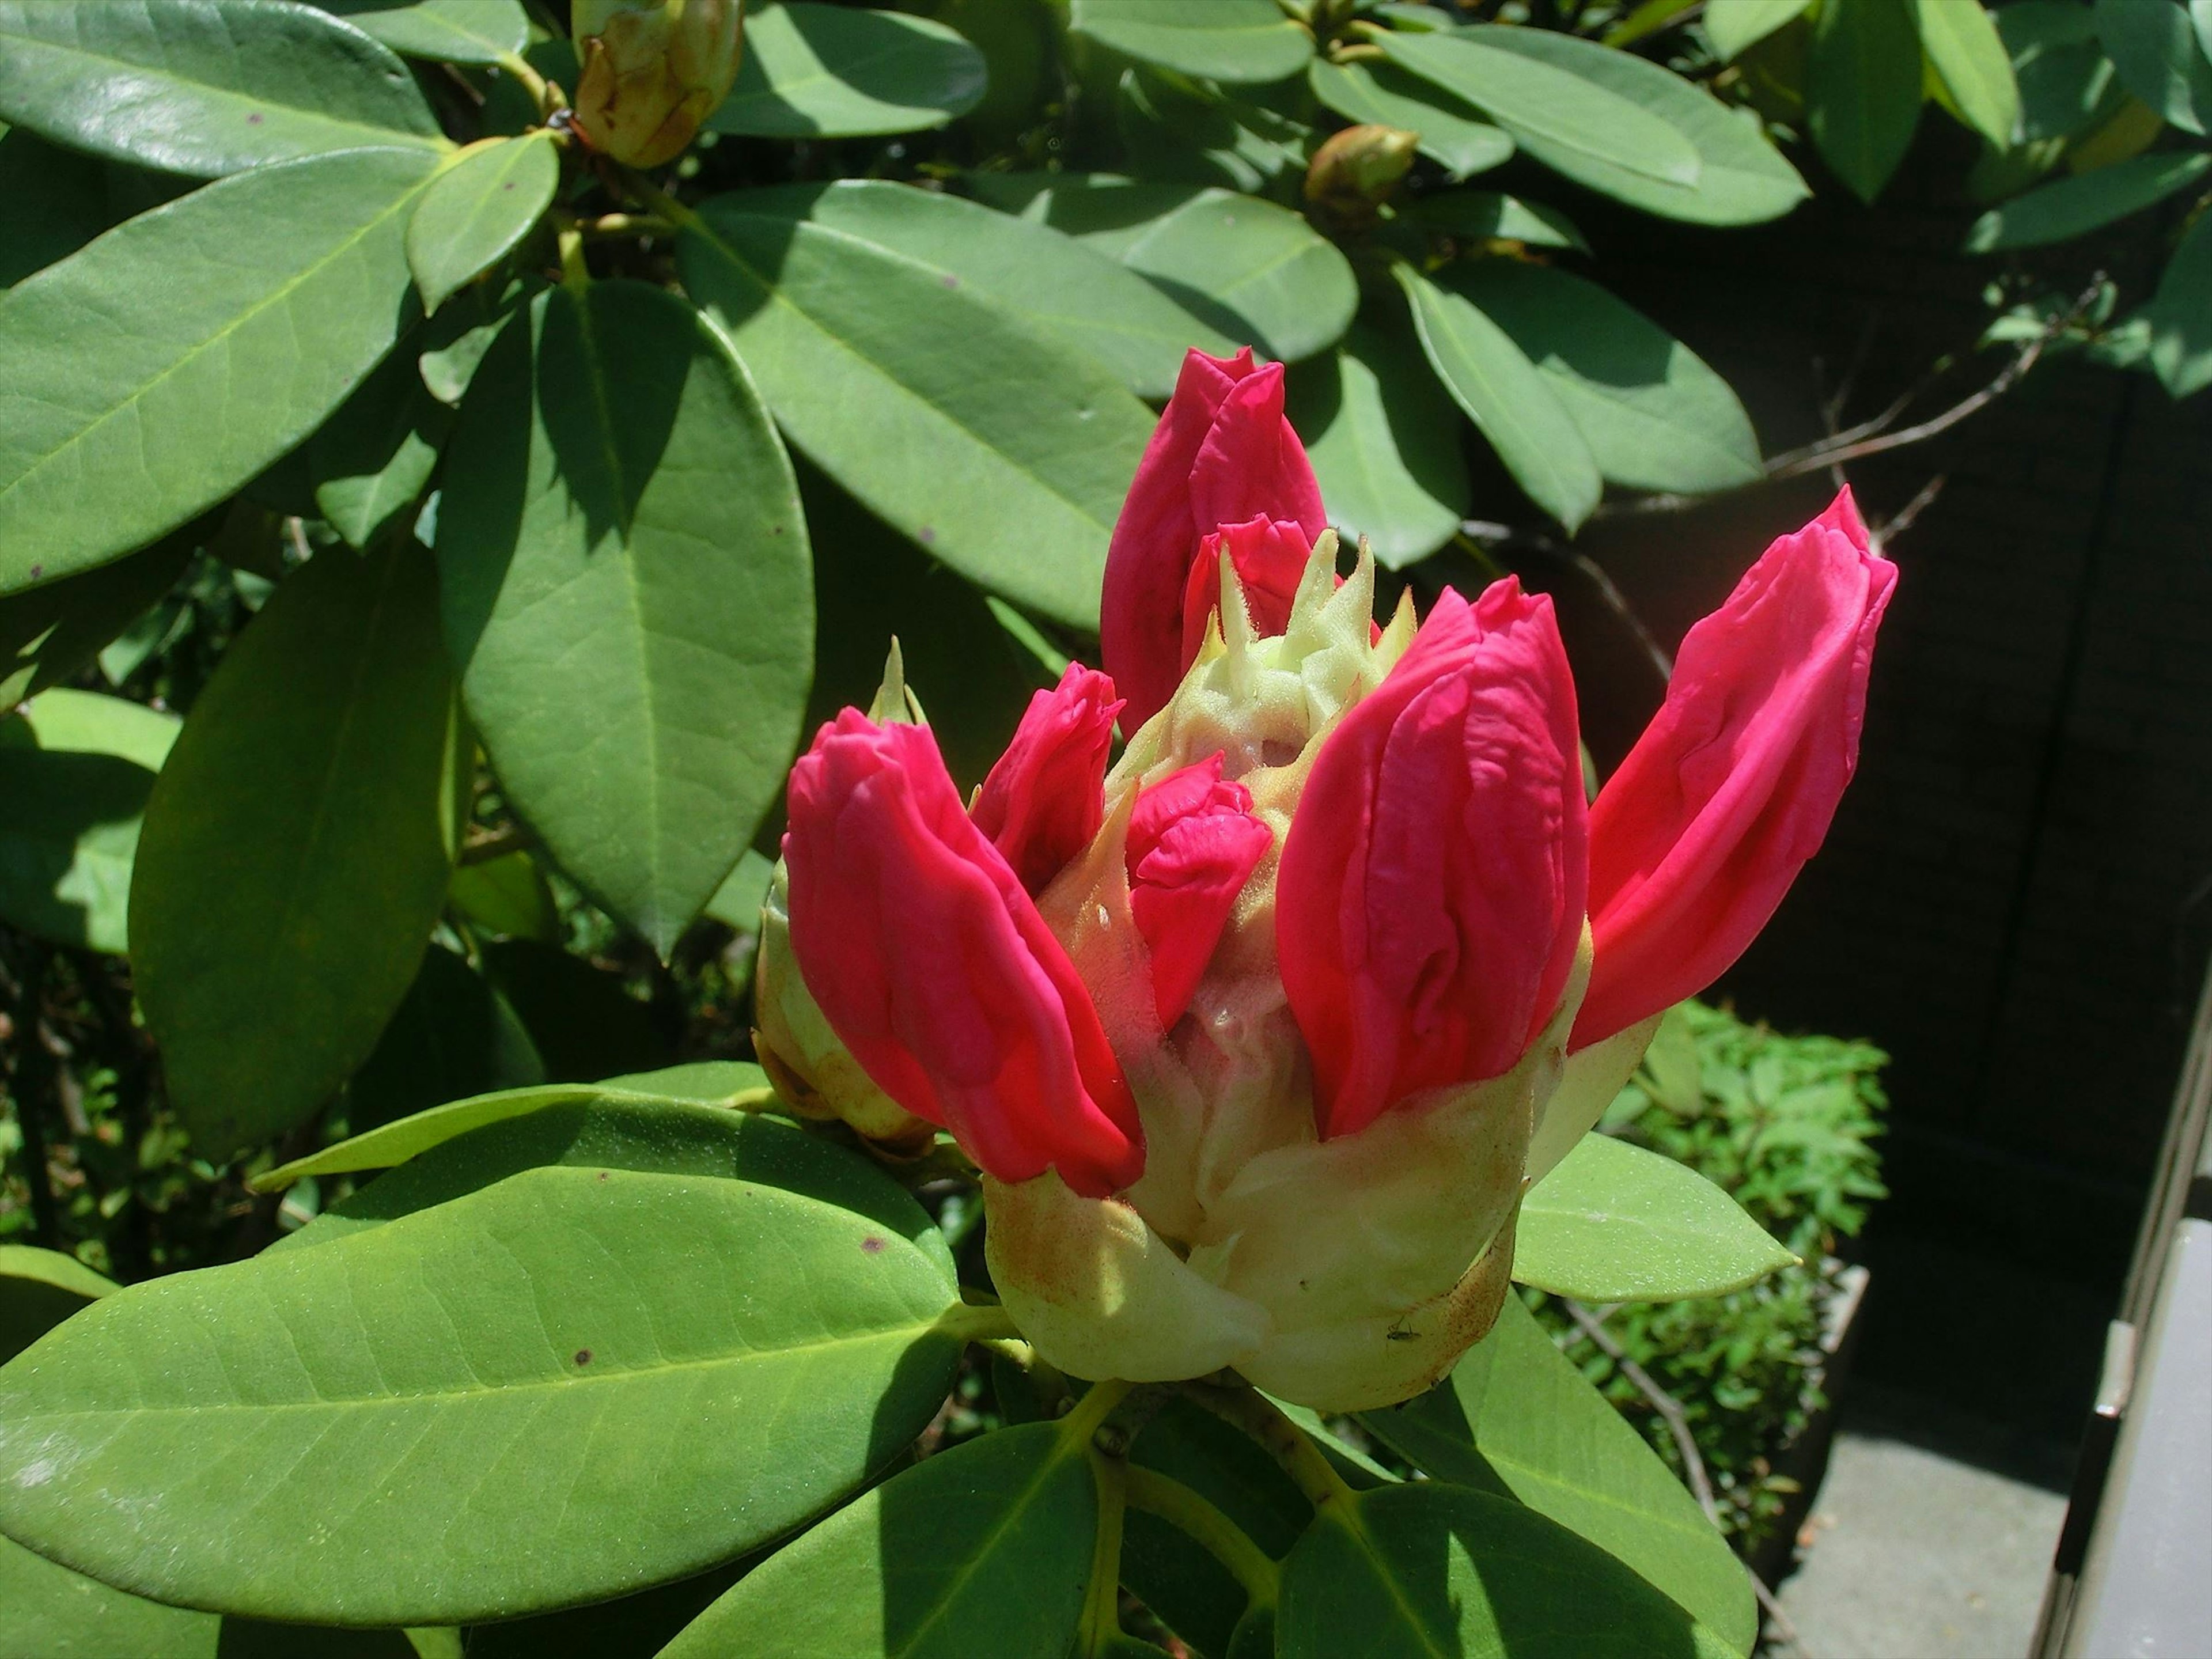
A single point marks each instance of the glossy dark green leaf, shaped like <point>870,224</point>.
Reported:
<point>1654,415</point>
<point>53,200</point>
<point>1071,292</point>
<point>204,87</point>
<point>1733,25</point>
<point>1255,271</point>
<point>1614,1223</point>
<point>1507,397</point>
<point>1426,1570</point>
<point>2073,207</point>
<point>296,847</point>
<point>2067,84</point>
<point>1743,179</point>
<point>626,593</point>
<point>1566,121</point>
<point>478,209</point>
<point>38,1289</point>
<point>983,1549</point>
<point>108,436</point>
<point>1384,440</point>
<point>1969,57</point>
<point>1172,127</point>
<point>1225,41</point>
<point>48,634</point>
<point>1000,450</point>
<point>1862,89</point>
<point>1485,215</point>
<point>508,895</point>
<point>2180,314</point>
<point>75,769</point>
<point>372,459</point>
<point>456,31</point>
<point>451,1036</point>
<point>634,1376</point>
<point>1516,1414</point>
<point>583,1017</point>
<point>823,71</point>
<point>55,1614</point>
<point>2159,59</point>
<point>1383,94</point>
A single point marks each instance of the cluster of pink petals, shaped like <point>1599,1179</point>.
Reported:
<point>1432,891</point>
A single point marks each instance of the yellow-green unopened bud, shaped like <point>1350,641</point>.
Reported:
<point>653,70</point>
<point>1356,169</point>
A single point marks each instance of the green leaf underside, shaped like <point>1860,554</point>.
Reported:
<point>1735,25</point>
<point>1427,1571</point>
<point>296,847</point>
<point>1383,94</point>
<point>1070,292</point>
<point>38,1289</point>
<point>1862,89</point>
<point>2073,207</point>
<point>457,31</point>
<point>204,87</point>
<point>1383,440</point>
<point>1743,179</point>
<point>1227,40</point>
<point>627,592</point>
<point>1614,1223</point>
<point>1654,416</point>
<point>639,1375</point>
<point>75,769</point>
<point>983,1549</point>
<point>1001,451</point>
<point>821,72</point>
<point>1565,121</point>
<point>477,210</point>
<point>119,420</point>
<point>1505,395</point>
<point>1966,52</point>
<point>55,1614</point>
<point>1540,1431</point>
<point>1257,272</point>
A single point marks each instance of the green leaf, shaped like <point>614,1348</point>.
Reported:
<point>1072,293</point>
<point>1733,25</point>
<point>1257,272</point>
<point>50,633</point>
<point>373,458</point>
<point>1614,1223</point>
<point>455,31</point>
<point>2073,207</point>
<point>983,1549</point>
<point>1481,215</point>
<point>53,202</point>
<point>1172,127</point>
<point>736,902</point>
<point>1566,121</point>
<point>110,436</point>
<point>1383,94</point>
<point>204,87</point>
<point>1653,416</point>
<point>1384,443</point>
<point>478,209</point>
<point>585,1022</point>
<point>508,895</point>
<point>75,769</point>
<point>296,847</point>
<point>628,593</point>
<point>634,1376</point>
<point>1517,1411</point>
<point>1233,41</point>
<point>393,1144</point>
<point>1426,1570</point>
<point>1505,395</point>
<point>1862,86</point>
<point>55,1614</point>
<point>1963,45</point>
<point>451,1035</point>
<point>2155,49</point>
<point>2180,314</point>
<point>1003,452</point>
<point>822,71</point>
<point>38,1289</point>
<point>631,1628</point>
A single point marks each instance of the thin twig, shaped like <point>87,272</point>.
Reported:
<point>1901,520</point>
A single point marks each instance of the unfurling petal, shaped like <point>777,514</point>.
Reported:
<point>1046,798</point>
<point>1193,843</point>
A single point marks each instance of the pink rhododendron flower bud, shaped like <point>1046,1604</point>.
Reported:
<point>1430,896</point>
<point>1270,555</point>
<point>1193,843</point>
<point>1222,455</point>
<point>1043,801</point>
<point>935,971</point>
<point>1731,789</point>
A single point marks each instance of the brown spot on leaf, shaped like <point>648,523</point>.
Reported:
<point>873,1245</point>
<point>583,1356</point>
<point>254,119</point>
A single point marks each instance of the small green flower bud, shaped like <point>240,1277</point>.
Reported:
<point>653,70</point>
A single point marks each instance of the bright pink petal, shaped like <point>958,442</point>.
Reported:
<point>1192,844</point>
<point>1045,798</point>
<point>1270,556</point>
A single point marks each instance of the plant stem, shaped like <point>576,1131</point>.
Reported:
<point>972,1324</point>
<point>1196,1519</point>
<point>1102,1606</point>
<point>1284,1440</point>
<point>529,80</point>
<point>575,275</point>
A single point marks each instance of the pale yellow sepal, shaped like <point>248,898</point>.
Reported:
<point>1593,1077</point>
